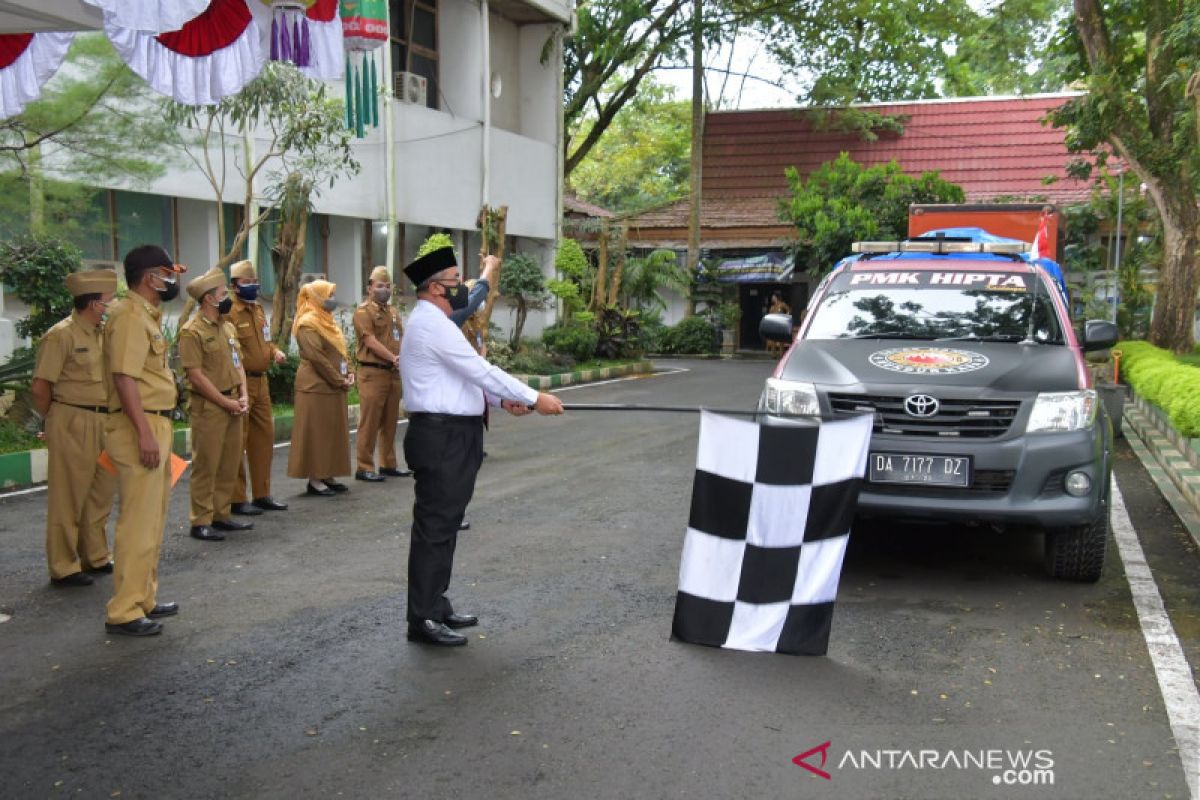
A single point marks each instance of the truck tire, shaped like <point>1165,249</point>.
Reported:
<point>1077,553</point>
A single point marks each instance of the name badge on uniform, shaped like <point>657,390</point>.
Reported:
<point>266,332</point>
<point>237,361</point>
<point>342,369</point>
<point>396,333</point>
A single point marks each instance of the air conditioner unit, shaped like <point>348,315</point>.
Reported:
<point>411,88</point>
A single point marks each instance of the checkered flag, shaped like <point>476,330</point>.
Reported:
<point>770,519</point>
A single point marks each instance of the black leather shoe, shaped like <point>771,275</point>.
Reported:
<point>432,632</point>
<point>337,487</point>
<point>460,620</point>
<point>465,525</point>
<point>74,579</point>
<point>310,489</point>
<point>269,503</point>
<point>231,525</point>
<point>205,533</point>
<point>245,510</point>
<point>103,569</point>
<point>367,475</point>
<point>163,610</point>
<point>142,626</point>
<point>393,472</point>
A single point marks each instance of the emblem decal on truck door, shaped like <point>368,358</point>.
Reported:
<point>928,360</point>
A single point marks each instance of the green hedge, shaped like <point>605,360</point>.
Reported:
<point>1159,377</point>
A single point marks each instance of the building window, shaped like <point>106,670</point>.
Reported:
<point>143,219</point>
<point>414,42</point>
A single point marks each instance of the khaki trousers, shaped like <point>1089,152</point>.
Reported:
<point>143,494</point>
<point>216,450</point>
<point>258,437</point>
<point>378,413</point>
<point>79,494</point>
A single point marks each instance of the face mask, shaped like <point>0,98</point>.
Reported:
<point>382,295</point>
<point>330,304</point>
<point>248,292</point>
<point>225,306</point>
<point>456,296</point>
<point>170,291</point>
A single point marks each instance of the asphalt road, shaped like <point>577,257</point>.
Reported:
<point>287,673</point>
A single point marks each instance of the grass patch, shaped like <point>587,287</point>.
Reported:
<point>15,439</point>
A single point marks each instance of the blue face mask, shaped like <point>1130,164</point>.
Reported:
<point>248,291</point>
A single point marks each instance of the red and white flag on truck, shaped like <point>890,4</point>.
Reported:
<point>1041,241</point>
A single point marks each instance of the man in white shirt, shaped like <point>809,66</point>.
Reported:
<point>447,387</point>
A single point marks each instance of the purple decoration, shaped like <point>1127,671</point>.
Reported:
<point>274,39</point>
<point>306,49</point>
<point>285,43</point>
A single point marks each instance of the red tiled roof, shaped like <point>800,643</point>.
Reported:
<point>573,205</point>
<point>991,147</point>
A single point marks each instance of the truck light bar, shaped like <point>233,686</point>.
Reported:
<point>941,246</point>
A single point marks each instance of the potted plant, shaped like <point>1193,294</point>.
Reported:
<point>730,314</point>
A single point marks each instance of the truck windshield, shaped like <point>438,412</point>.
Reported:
<point>955,304</point>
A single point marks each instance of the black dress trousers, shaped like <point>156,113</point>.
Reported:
<point>444,452</point>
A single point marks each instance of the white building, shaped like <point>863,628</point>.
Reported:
<point>489,132</point>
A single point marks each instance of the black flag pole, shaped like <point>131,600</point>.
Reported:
<point>628,407</point>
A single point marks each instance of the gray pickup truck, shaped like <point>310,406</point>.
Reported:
<point>984,409</point>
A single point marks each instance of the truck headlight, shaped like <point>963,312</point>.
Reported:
<point>1063,411</point>
<point>790,397</point>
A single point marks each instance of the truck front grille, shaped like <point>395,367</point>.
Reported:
<point>967,419</point>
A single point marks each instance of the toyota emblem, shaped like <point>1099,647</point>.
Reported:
<point>921,405</point>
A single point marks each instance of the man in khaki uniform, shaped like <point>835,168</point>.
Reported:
<point>141,399</point>
<point>258,426</point>
<point>378,329</point>
<point>69,392</point>
<point>208,352</point>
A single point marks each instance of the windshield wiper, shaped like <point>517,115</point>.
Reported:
<point>887,335</point>
<point>991,337</point>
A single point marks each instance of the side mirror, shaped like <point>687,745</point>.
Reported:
<point>1099,334</point>
<point>776,328</point>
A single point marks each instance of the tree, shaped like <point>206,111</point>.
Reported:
<point>36,267</point>
<point>646,278</point>
<point>521,279</point>
<point>1140,62</point>
<point>643,162</point>
<point>843,202</point>
<point>570,262</point>
<point>307,145</point>
<point>94,124</point>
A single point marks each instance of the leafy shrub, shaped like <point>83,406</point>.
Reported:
<point>619,333</point>
<point>577,341</point>
<point>436,241</point>
<point>652,339</point>
<point>1159,378</point>
<point>281,378</point>
<point>36,268</point>
<point>692,336</point>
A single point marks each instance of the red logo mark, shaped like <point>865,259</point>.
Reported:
<point>823,749</point>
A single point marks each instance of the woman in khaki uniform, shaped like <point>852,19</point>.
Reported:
<point>320,448</point>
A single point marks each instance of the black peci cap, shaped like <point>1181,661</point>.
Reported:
<point>430,264</point>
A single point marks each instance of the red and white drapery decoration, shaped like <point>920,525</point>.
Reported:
<point>27,61</point>
<point>150,16</point>
<point>194,51</point>
<point>211,57</point>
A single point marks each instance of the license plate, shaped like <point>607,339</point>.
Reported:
<point>907,468</point>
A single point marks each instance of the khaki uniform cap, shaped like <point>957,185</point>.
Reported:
<point>94,281</point>
<point>381,274</point>
<point>242,270</point>
<point>210,280</point>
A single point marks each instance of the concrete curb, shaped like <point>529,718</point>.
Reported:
<point>28,467</point>
<point>1173,469</point>
<point>544,382</point>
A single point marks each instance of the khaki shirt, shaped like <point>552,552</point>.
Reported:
<point>213,348</point>
<point>382,322</point>
<point>253,334</point>
<point>134,345</point>
<point>71,357</point>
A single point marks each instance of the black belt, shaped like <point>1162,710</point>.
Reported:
<point>168,413</point>
<point>445,419</point>
<point>250,374</point>
<point>388,367</point>
<point>227,392</point>
<point>96,409</point>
